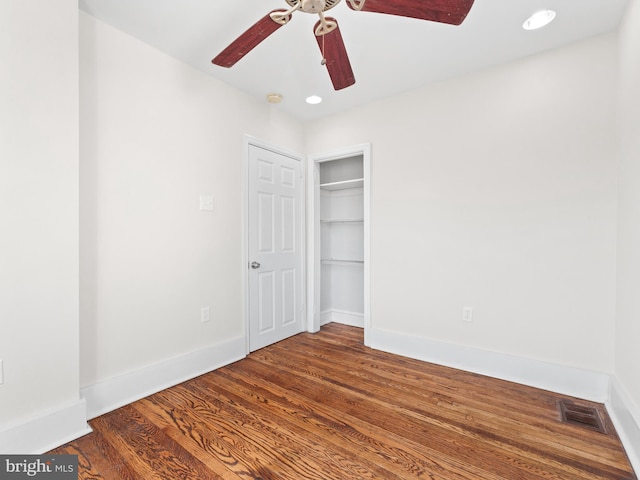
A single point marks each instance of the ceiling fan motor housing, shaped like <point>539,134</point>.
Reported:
<point>313,6</point>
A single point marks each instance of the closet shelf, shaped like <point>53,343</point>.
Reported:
<point>342,220</point>
<point>354,183</point>
<point>346,263</point>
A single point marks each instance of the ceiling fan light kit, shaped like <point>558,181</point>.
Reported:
<point>327,33</point>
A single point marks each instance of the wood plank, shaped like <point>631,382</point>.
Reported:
<point>257,442</point>
<point>452,442</point>
<point>97,458</point>
<point>463,403</point>
<point>148,450</point>
<point>400,455</point>
<point>324,406</point>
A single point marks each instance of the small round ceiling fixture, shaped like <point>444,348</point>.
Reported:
<point>274,98</point>
<point>314,100</point>
<point>539,19</point>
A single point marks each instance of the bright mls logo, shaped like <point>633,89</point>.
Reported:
<point>45,467</point>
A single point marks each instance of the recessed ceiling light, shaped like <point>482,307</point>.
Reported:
<point>314,100</point>
<point>539,19</point>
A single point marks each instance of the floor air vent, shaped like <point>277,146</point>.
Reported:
<point>580,415</point>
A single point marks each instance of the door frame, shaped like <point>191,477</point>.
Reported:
<point>313,232</point>
<point>256,142</point>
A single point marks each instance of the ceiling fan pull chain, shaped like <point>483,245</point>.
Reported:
<point>324,60</point>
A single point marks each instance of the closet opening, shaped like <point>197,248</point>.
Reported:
<point>339,220</point>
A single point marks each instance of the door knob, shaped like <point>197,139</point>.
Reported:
<point>255,265</point>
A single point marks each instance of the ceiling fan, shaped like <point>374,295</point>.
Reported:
<point>327,32</point>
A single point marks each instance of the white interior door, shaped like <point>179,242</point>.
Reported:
<point>275,249</point>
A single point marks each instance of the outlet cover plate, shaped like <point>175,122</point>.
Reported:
<point>207,203</point>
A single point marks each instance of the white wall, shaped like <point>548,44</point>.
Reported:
<point>497,191</point>
<point>155,134</point>
<point>628,305</point>
<point>39,212</point>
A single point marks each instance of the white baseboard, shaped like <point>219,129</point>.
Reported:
<point>46,432</point>
<point>561,379</point>
<point>116,392</point>
<point>625,415</point>
<point>342,316</point>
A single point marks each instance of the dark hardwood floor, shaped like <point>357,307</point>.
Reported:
<point>324,407</point>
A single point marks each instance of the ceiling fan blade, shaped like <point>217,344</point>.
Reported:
<point>444,11</point>
<point>335,55</point>
<point>247,41</point>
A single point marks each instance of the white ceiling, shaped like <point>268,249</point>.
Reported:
<point>389,54</point>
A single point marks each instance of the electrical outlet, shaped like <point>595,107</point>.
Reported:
<point>205,314</point>
<point>207,203</point>
<point>467,314</point>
